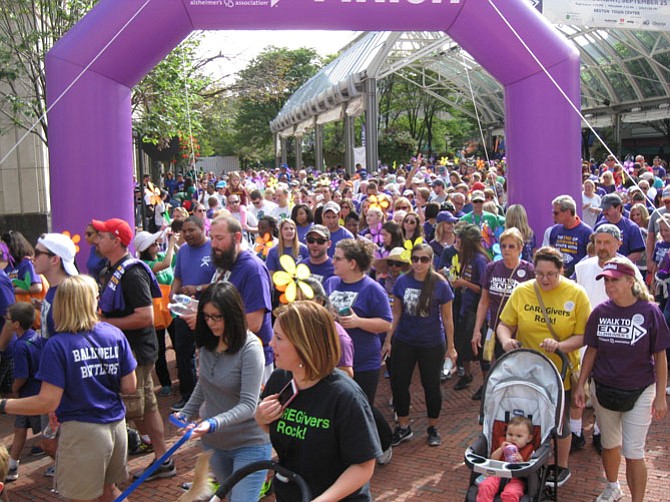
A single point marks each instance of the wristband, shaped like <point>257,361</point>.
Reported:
<point>212,425</point>
<point>3,403</point>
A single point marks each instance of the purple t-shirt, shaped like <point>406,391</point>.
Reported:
<point>6,299</point>
<point>90,378</point>
<point>626,339</point>
<point>571,242</point>
<point>321,272</point>
<point>335,237</point>
<point>415,329</point>
<point>500,283</point>
<point>368,300</point>
<point>27,355</point>
<point>303,230</point>
<point>24,267</point>
<point>194,264</point>
<point>252,280</point>
<point>346,348</point>
<point>272,260</point>
<point>660,250</point>
<point>48,325</point>
<point>631,236</point>
<point>473,273</point>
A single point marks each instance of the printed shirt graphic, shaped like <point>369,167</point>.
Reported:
<point>626,339</point>
<point>571,242</point>
<point>324,430</point>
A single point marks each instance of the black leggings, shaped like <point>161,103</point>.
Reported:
<point>367,381</point>
<point>161,363</point>
<point>404,358</point>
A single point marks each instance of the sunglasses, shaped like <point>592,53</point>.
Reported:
<point>39,252</point>
<point>402,208</point>
<point>393,263</point>
<point>422,259</point>
<point>89,234</point>
<point>507,246</point>
<point>312,240</point>
<point>257,201</point>
<point>411,222</point>
<point>234,201</point>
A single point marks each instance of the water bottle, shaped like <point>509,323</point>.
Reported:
<point>509,452</point>
<point>447,367</point>
<point>183,305</point>
<point>49,433</point>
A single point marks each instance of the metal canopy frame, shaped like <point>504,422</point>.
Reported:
<point>623,71</point>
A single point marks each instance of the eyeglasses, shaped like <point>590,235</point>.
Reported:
<point>312,240</point>
<point>422,259</point>
<point>213,317</point>
<point>40,252</point>
<point>548,275</point>
<point>395,263</point>
<point>402,208</point>
<point>507,246</point>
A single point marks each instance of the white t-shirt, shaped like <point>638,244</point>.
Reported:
<point>590,213</point>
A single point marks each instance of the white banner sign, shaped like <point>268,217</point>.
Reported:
<point>631,14</point>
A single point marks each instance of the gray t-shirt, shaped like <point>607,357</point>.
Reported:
<point>228,389</point>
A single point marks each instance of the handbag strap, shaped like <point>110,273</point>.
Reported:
<point>546,320</point>
<point>504,295</point>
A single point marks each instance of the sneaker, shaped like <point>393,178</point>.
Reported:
<point>463,382</point>
<point>12,474</point>
<point>385,457</point>
<point>142,449</point>
<point>598,443</point>
<point>401,434</point>
<point>186,486</point>
<point>561,478</point>
<point>50,472</point>
<point>179,404</point>
<point>166,470</point>
<point>36,451</point>
<point>165,391</point>
<point>434,438</point>
<point>578,442</point>
<point>610,494</point>
<point>477,396</point>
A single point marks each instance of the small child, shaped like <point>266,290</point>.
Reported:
<point>27,353</point>
<point>520,434</point>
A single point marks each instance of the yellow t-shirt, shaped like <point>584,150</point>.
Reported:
<point>567,306</point>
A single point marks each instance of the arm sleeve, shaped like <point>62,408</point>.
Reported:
<point>253,362</point>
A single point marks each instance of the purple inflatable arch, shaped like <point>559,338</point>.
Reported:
<point>118,42</point>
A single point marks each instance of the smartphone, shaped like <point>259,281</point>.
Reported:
<point>288,393</point>
<point>346,311</point>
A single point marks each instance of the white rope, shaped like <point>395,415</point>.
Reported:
<point>474,102</point>
<point>67,89</point>
<point>565,96</point>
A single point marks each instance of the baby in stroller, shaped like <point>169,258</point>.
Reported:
<point>516,447</point>
<point>522,403</point>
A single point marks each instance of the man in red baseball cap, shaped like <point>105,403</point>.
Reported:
<point>126,301</point>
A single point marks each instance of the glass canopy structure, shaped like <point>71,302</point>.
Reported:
<point>625,77</point>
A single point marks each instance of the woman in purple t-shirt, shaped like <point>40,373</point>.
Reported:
<point>626,339</point>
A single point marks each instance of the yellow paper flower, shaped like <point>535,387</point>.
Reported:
<point>380,202</point>
<point>154,194</point>
<point>292,278</point>
<point>263,245</point>
<point>480,164</point>
<point>409,245</point>
<point>75,238</point>
<point>444,161</point>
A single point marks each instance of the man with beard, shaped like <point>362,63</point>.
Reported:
<point>193,272</point>
<point>249,275</point>
<point>607,240</point>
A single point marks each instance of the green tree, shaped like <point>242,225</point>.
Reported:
<point>262,89</point>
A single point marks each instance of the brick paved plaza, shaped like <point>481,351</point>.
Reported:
<point>417,471</point>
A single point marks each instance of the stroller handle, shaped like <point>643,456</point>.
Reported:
<point>261,465</point>
<point>565,363</point>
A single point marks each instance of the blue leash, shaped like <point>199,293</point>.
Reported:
<point>150,470</point>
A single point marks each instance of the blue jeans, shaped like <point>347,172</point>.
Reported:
<point>225,462</point>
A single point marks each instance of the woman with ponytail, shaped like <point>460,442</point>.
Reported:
<point>422,331</point>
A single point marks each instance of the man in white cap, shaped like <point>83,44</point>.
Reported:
<point>54,259</point>
<point>331,220</point>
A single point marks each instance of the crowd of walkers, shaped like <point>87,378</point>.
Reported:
<point>299,291</point>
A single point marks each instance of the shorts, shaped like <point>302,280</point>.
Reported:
<point>89,457</point>
<point>627,429</point>
<point>35,422</point>
<point>143,400</point>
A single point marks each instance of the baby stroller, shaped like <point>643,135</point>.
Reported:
<point>521,382</point>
